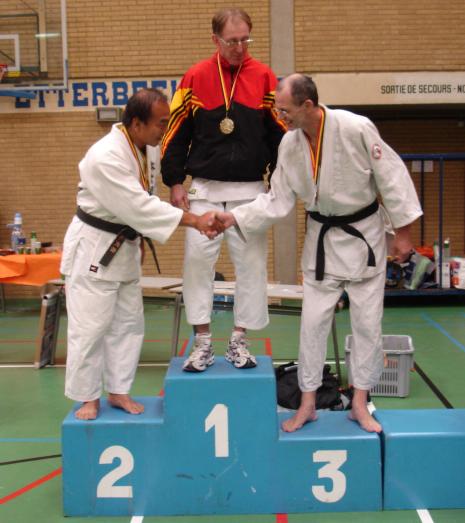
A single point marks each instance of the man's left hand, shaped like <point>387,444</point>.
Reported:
<point>402,246</point>
<point>209,225</point>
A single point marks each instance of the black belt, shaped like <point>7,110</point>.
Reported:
<point>123,233</point>
<point>342,222</point>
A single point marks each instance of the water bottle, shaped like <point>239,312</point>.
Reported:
<point>35,244</point>
<point>17,231</point>
<point>446,250</point>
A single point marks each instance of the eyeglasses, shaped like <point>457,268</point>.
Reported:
<point>235,43</point>
<point>284,112</point>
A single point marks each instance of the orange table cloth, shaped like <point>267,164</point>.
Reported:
<point>30,269</point>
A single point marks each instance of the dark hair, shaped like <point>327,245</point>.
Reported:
<point>140,105</point>
<point>223,15</point>
<point>302,88</point>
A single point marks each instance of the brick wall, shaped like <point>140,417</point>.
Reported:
<point>114,38</point>
<point>349,35</point>
<point>39,173</point>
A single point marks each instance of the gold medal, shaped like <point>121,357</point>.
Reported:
<point>226,125</point>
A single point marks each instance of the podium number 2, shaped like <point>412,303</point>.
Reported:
<point>218,418</point>
<point>106,487</point>
<point>335,459</point>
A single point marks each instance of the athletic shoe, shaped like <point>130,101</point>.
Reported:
<point>202,355</point>
<point>238,353</point>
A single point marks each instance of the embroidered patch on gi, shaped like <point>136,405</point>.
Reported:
<point>192,191</point>
<point>93,268</point>
<point>376,151</point>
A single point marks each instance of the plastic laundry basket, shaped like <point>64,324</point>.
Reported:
<point>398,360</point>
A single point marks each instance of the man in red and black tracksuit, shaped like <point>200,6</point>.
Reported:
<point>223,132</point>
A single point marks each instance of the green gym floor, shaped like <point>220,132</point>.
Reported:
<point>32,405</point>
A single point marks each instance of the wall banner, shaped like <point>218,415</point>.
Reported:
<point>391,88</point>
<point>85,95</point>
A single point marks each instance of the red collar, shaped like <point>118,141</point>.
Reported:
<point>226,65</point>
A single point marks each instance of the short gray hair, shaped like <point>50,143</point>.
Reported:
<point>302,88</point>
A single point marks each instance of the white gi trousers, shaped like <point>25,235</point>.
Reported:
<point>249,259</point>
<point>366,312</point>
<point>105,335</point>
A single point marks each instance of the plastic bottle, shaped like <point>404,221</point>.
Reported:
<point>35,244</point>
<point>446,251</point>
<point>17,231</point>
<point>21,245</point>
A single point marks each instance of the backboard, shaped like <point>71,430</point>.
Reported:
<point>33,45</point>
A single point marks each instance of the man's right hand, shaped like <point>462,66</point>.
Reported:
<point>208,224</point>
<point>178,197</point>
<point>226,218</point>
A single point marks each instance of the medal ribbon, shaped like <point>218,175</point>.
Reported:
<point>141,160</point>
<point>316,157</point>
<point>227,101</point>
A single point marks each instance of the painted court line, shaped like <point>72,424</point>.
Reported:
<point>17,366</point>
<point>29,487</point>
<point>432,386</point>
<point>186,346</point>
<point>443,331</point>
<point>29,440</point>
<point>268,347</point>
<point>28,460</point>
<point>425,516</point>
<point>137,519</point>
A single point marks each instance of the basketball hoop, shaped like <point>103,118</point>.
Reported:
<point>3,70</point>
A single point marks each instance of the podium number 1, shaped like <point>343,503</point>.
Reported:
<point>218,418</point>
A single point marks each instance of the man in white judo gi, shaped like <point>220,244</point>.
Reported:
<point>102,255</point>
<point>336,162</point>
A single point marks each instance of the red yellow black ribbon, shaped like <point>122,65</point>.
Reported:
<point>141,159</point>
<point>227,100</point>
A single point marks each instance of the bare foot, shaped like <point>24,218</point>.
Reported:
<point>125,402</point>
<point>305,413</point>
<point>361,414</point>
<point>365,420</point>
<point>89,410</point>
<point>299,419</point>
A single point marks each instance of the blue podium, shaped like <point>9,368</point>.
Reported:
<point>213,445</point>
<point>424,458</point>
<point>328,465</point>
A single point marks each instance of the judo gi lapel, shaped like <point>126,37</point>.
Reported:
<point>328,162</point>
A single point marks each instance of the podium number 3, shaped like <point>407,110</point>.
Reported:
<point>106,487</point>
<point>218,418</point>
<point>335,459</point>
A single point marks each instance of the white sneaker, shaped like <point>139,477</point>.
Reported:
<point>202,355</point>
<point>238,353</point>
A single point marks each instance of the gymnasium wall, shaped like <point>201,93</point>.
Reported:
<point>120,40</point>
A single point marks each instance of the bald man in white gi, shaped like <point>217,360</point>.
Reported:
<point>336,162</point>
<point>102,255</point>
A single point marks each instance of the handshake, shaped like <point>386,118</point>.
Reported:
<point>213,223</point>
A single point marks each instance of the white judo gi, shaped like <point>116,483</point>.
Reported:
<point>356,166</point>
<point>201,254</point>
<point>105,312</point>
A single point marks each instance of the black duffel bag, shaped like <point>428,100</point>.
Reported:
<point>327,396</point>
